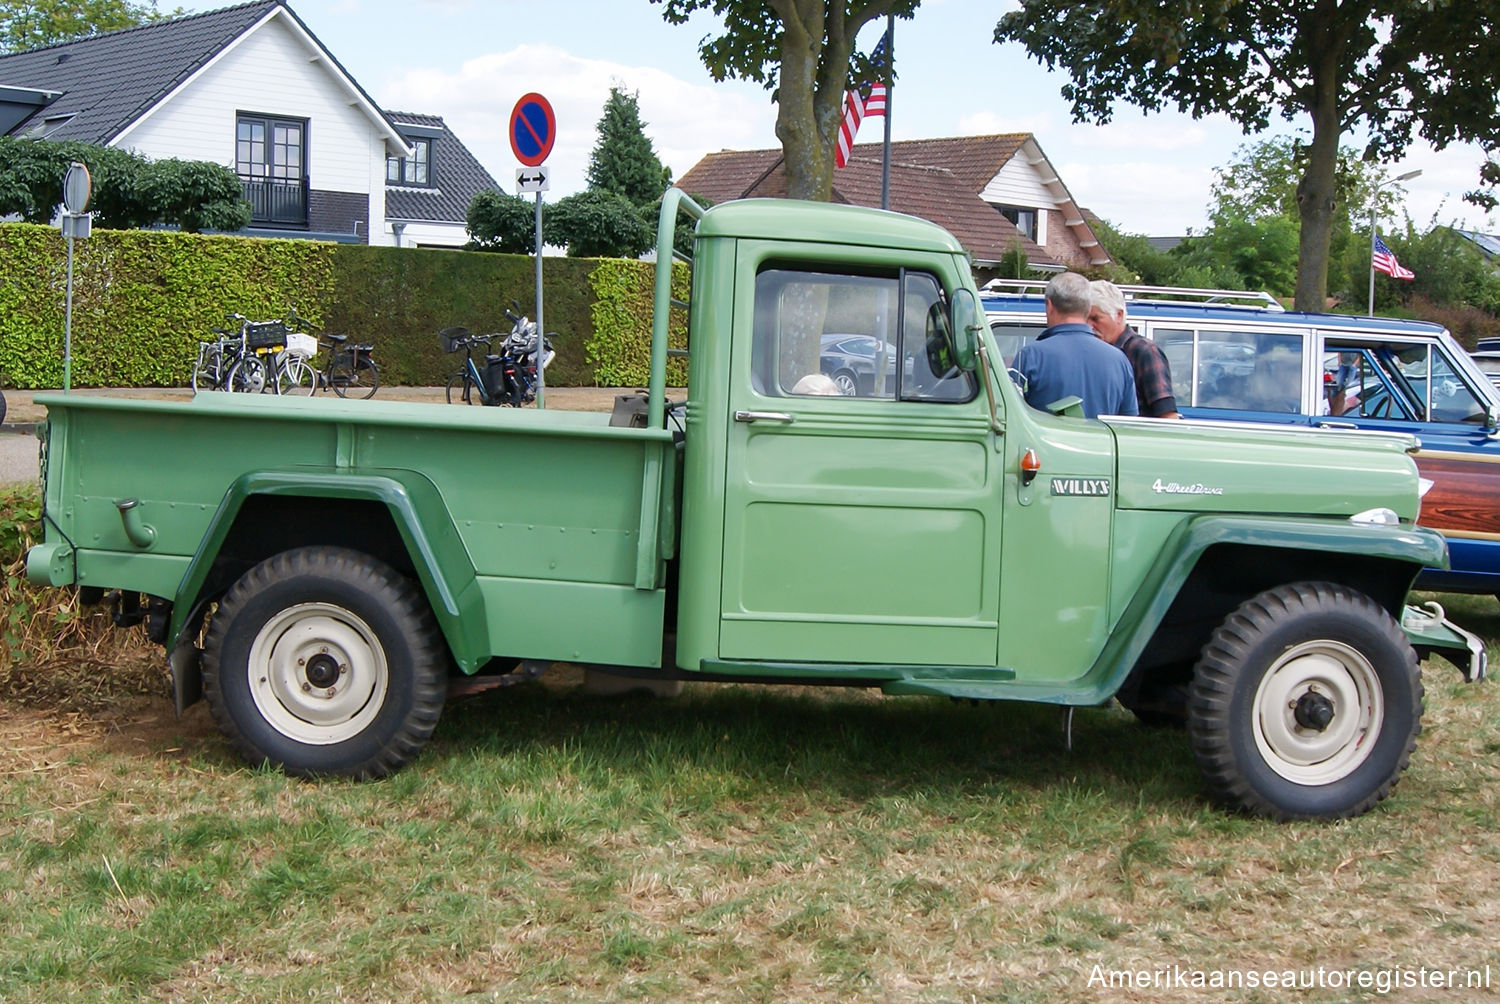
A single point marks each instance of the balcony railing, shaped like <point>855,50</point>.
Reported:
<point>276,202</point>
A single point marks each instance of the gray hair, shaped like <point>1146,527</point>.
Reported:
<point>1107,297</point>
<point>1068,292</point>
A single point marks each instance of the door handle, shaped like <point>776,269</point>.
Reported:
<point>1337,425</point>
<point>763,416</point>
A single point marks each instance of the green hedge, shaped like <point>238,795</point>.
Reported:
<point>143,300</point>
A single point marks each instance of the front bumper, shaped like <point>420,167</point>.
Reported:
<point>1429,630</point>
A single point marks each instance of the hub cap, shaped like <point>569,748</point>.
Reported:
<point>1318,712</point>
<point>318,673</point>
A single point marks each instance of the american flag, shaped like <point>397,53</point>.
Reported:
<point>857,107</point>
<point>1384,261</point>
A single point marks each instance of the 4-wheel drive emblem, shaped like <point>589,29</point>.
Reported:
<point>1176,488</point>
<point>1080,486</point>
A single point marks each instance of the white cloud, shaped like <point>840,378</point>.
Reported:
<point>684,121</point>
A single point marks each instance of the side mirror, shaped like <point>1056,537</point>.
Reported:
<point>964,323</point>
<point>1491,420</point>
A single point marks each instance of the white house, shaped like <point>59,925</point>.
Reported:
<point>250,87</point>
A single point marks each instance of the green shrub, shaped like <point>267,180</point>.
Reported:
<point>620,351</point>
<point>143,299</point>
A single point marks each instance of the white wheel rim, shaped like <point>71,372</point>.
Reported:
<point>318,673</point>
<point>1316,672</point>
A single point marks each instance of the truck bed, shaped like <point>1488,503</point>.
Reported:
<point>538,517</point>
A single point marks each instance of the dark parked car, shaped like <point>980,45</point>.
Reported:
<point>850,360</point>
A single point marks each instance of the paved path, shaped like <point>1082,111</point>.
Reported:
<point>18,458</point>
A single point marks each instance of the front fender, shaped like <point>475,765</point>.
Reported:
<point>421,517</point>
<point>1407,549</point>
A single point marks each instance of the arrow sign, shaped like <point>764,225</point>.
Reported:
<point>533,129</point>
<point>533,179</point>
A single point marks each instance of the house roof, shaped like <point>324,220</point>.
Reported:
<point>110,81</point>
<point>459,174</point>
<point>937,179</point>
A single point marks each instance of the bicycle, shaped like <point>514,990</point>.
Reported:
<point>509,378</point>
<point>226,364</point>
<point>468,380</point>
<point>350,370</point>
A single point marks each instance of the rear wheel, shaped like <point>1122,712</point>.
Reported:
<point>1305,704</point>
<point>207,369</point>
<point>846,383</point>
<point>359,378</point>
<point>461,390</point>
<point>323,660</point>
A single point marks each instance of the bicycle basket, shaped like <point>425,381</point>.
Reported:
<point>265,334</point>
<point>299,344</point>
<point>453,338</point>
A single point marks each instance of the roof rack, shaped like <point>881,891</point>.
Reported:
<point>1258,300</point>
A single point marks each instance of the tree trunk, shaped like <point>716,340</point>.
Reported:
<point>801,105</point>
<point>1316,190</point>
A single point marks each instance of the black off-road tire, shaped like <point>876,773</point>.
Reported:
<point>325,661</point>
<point>1306,703</point>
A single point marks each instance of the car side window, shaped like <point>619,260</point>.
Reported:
<point>839,335</point>
<point>1233,369</point>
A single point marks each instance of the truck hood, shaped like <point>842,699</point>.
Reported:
<point>1247,468</point>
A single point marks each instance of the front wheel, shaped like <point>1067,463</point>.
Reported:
<point>296,377</point>
<point>325,661</point>
<point>461,390</point>
<point>246,376</point>
<point>1305,704</point>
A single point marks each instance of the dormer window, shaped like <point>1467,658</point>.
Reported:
<point>415,170</point>
<point>1024,218</point>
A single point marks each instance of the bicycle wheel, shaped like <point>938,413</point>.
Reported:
<point>207,369</point>
<point>295,376</point>
<point>246,376</point>
<point>359,379</point>
<point>461,390</point>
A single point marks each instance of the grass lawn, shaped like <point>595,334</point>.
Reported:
<point>738,843</point>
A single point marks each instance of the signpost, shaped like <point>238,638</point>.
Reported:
<point>533,130</point>
<point>78,188</point>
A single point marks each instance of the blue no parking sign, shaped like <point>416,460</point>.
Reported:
<point>533,129</point>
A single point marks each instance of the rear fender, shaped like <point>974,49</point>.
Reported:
<point>421,517</point>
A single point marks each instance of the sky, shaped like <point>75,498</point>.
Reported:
<point>470,60</point>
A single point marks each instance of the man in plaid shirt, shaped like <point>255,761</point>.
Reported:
<point>1153,377</point>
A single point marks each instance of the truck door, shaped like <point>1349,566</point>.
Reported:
<point>862,507</point>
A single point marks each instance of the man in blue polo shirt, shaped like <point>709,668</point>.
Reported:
<point>1067,360</point>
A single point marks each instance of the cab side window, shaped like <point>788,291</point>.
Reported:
<point>870,336</point>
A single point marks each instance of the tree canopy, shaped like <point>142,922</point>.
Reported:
<point>129,190</point>
<point>802,51</point>
<point>624,161</point>
<point>34,24</point>
<point>1400,69</point>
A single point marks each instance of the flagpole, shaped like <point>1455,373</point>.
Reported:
<point>890,62</point>
<point>1375,201</point>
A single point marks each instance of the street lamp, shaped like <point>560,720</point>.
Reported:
<point>1375,201</point>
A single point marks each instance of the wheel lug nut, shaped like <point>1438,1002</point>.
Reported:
<point>306,687</point>
<point>332,691</point>
<point>343,670</point>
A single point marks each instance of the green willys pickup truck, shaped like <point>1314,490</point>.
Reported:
<point>342,564</point>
